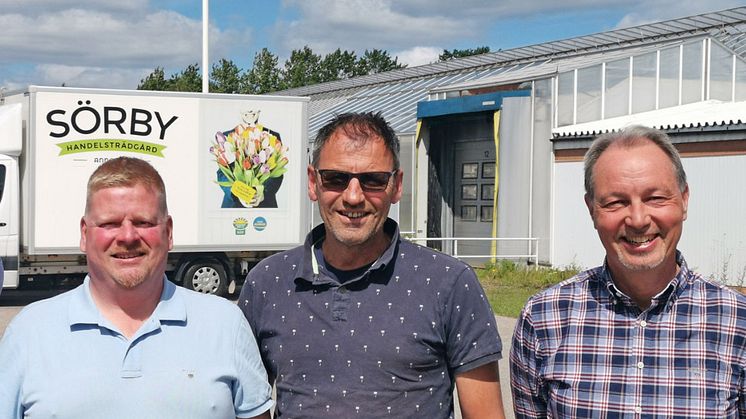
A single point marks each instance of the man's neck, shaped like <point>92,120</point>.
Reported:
<point>127,309</point>
<point>642,286</point>
<point>347,258</point>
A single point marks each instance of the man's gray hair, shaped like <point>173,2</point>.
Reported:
<point>629,137</point>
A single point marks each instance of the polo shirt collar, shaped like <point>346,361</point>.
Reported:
<point>82,310</point>
<point>309,270</point>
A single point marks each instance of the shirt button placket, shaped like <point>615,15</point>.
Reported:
<point>639,353</point>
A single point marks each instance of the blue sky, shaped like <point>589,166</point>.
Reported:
<point>115,43</point>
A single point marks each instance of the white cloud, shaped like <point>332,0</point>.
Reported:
<point>418,55</point>
<point>657,11</point>
<point>357,25</point>
<point>115,43</point>
<point>393,25</point>
<point>108,43</point>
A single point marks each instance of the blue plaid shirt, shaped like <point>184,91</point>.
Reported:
<point>583,349</point>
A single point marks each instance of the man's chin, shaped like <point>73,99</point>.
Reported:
<point>131,281</point>
<point>641,264</point>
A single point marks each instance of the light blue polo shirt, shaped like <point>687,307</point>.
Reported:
<point>195,357</point>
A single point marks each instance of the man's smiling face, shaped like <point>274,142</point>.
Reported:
<point>638,207</point>
<point>125,236</point>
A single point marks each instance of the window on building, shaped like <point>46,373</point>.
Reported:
<point>691,72</point>
<point>616,96</point>
<point>643,82</point>
<point>668,83</point>
<point>721,73</point>
<point>589,94</point>
<point>565,100</point>
<point>740,80</point>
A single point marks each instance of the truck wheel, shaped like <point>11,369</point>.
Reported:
<point>207,276</point>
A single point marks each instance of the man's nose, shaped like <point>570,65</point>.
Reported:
<point>638,216</point>
<point>354,194</point>
<point>127,232</point>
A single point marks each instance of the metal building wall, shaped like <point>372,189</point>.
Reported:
<point>541,179</point>
<point>574,240</point>
<point>515,173</point>
<point>714,235</point>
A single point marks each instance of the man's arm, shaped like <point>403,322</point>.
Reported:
<point>529,398</point>
<point>479,393</point>
<point>11,375</point>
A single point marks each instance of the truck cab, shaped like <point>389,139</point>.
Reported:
<point>10,148</point>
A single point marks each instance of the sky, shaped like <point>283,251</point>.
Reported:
<point>116,43</point>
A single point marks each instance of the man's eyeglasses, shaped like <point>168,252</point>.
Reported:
<point>337,180</point>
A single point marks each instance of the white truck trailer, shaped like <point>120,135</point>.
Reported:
<point>233,165</point>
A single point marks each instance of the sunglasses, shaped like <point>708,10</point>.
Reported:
<point>337,180</point>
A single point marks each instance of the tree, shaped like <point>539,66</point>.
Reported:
<point>301,69</point>
<point>377,61</point>
<point>459,53</point>
<point>225,77</point>
<point>189,80</point>
<point>154,81</point>
<point>264,76</point>
<point>338,65</point>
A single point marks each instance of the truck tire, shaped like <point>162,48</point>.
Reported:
<point>207,276</point>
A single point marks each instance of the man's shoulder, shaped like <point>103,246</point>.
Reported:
<point>575,287</point>
<point>205,303</point>
<point>280,260</point>
<point>44,313</point>
<point>715,292</point>
<point>433,258</point>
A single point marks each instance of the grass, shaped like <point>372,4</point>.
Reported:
<point>508,285</point>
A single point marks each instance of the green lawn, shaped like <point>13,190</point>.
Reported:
<point>508,285</point>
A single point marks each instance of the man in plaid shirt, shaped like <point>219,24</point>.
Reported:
<point>642,335</point>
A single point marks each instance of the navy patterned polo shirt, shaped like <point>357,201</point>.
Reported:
<point>387,343</point>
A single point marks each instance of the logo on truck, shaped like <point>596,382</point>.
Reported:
<point>112,120</point>
<point>240,225</point>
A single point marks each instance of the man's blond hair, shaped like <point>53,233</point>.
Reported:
<point>127,172</point>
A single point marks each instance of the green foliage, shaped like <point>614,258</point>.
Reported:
<point>459,53</point>
<point>264,76</point>
<point>377,61</point>
<point>338,65</point>
<point>508,285</point>
<point>302,68</point>
<point>225,77</point>
<point>155,81</point>
<point>189,80</point>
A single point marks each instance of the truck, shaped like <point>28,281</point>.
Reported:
<point>233,165</point>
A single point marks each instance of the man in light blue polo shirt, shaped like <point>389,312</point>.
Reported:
<point>128,343</point>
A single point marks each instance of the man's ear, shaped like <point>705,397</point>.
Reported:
<point>312,183</point>
<point>589,204</point>
<point>398,186</point>
<point>170,229</point>
<point>83,230</point>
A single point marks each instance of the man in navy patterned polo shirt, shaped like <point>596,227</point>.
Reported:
<point>357,322</point>
<point>641,336</point>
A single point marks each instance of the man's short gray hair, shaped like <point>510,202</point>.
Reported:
<point>629,137</point>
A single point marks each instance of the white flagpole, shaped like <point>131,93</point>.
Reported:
<point>205,47</point>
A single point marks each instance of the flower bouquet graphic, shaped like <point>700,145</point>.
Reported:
<point>251,161</point>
